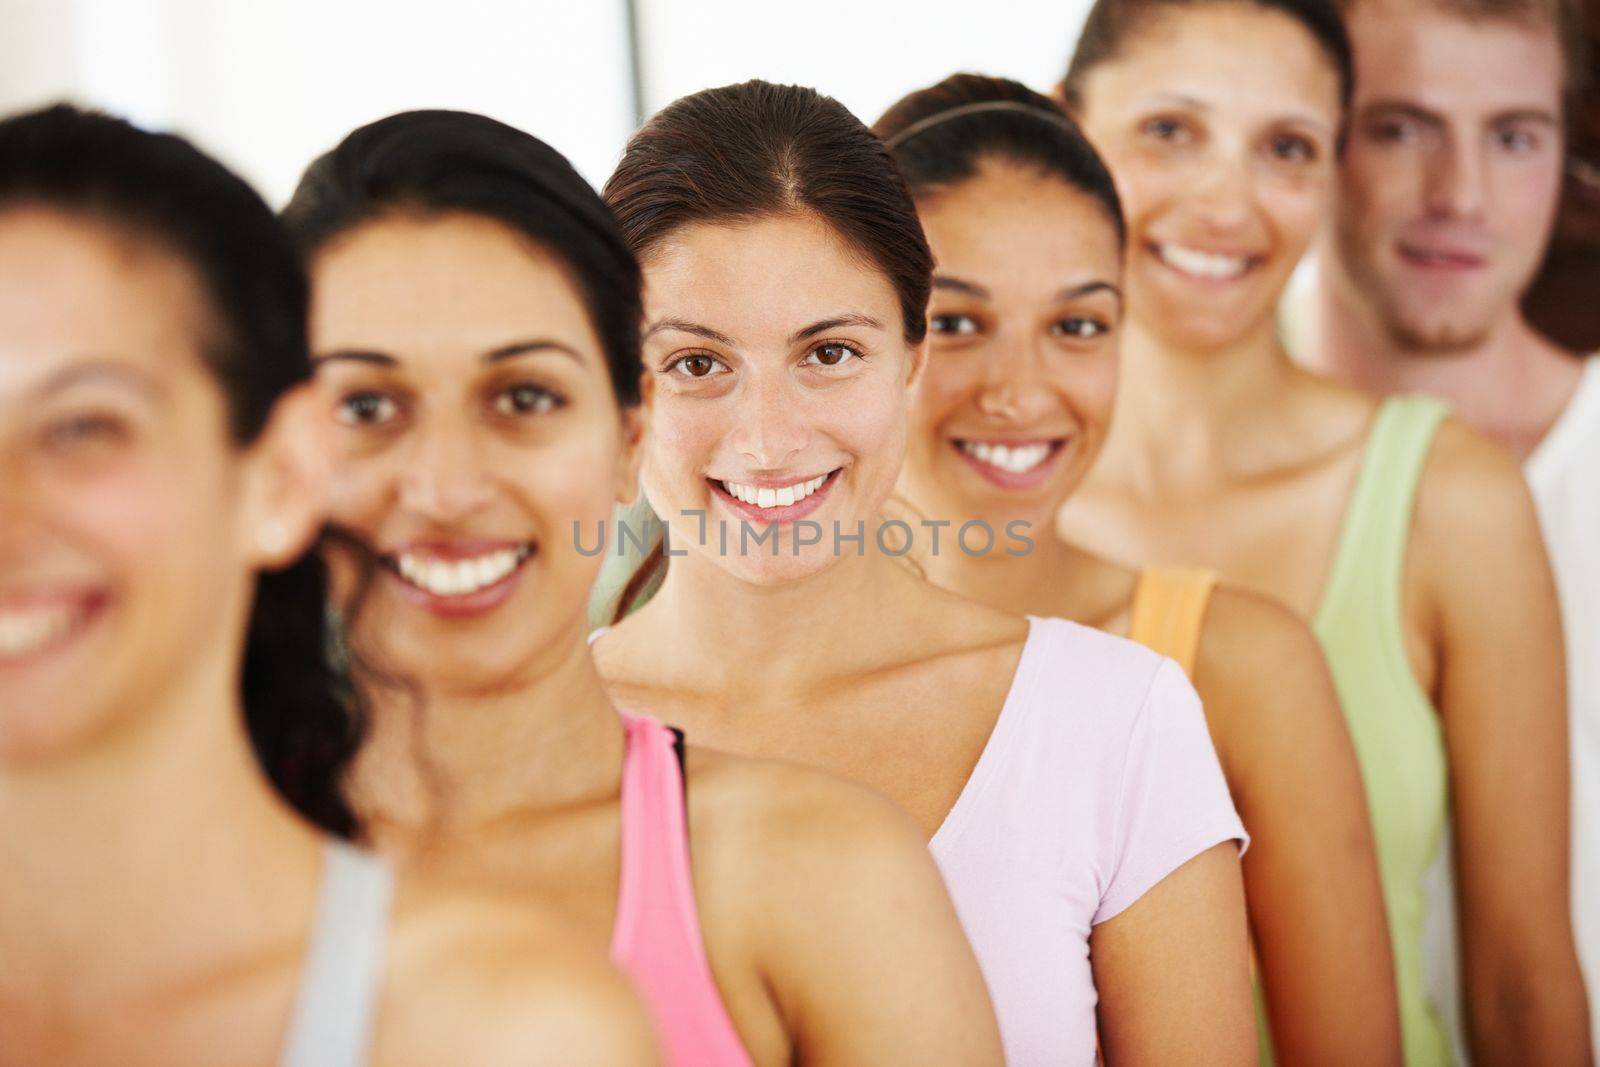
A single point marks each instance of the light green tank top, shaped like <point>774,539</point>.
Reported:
<point>1395,727</point>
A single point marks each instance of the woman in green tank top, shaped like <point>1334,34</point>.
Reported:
<point>1408,542</point>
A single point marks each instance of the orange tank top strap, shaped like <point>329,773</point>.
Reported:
<point>1169,608</point>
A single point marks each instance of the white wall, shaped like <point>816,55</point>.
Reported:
<point>267,84</point>
<point>866,53</point>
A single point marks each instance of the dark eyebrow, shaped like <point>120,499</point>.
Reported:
<point>523,348</point>
<point>102,369</point>
<point>1525,114</point>
<point>1073,292</point>
<point>956,285</point>
<point>825,325</point>
<point>354,355</point>
<point>1400,107</point>
<point>684,326</point>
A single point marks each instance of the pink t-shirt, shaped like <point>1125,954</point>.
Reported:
<point>1099,780</point>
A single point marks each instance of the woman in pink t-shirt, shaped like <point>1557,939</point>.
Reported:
<point>1065,778</point>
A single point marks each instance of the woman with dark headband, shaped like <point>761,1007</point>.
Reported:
<point>1064,778</point>
<point>160,476</point>
<point>476,329</point>
<point>1026,315</point>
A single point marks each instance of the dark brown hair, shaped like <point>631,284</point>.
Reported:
<point>940,135</point>
<point>1110,23</point>
<point>753,150</point>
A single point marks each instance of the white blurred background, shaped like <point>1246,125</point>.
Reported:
<point>266,86</point>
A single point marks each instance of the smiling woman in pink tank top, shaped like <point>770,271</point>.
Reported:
<point>475,324</point>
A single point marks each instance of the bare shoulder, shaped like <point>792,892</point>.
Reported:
<point>488,978</point>
<point>1475,517</point>
<point>1263,680</point>
<point>1250,635</point>
<point>786,818</point>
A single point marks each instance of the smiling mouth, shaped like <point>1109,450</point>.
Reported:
<point>30,628</point>
<point>457,577</point>
<point>1206,266</point>
<point>772,498</point>
<point>1017,459</point>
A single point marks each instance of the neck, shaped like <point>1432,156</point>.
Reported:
<point>827,618</point>
<point>1187,420</point>
<point>447,758</point>
<point>1511,385</point>
<point>144,858</point>
<point>1020,585</point>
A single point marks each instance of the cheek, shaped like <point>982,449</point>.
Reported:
<point>949,382</point>
<point>1533,193</point>
<point>149,523</point>
<point>1297,211</point>
<point>1376,188</point>
<point>681,435</point>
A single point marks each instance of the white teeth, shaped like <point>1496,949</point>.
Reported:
<point>26,630</point>
<point>773,498</point>
<point>1019,459</point>
<point>1202,264</point>
<point>463,576</point>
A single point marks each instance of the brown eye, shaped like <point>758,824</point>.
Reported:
<point>832,355</point>
<point>953,325</point>
<point>1080,329</point>
<point>695,365</point>
<point>526,400</point>
<point>366,409</point>
<point>1292,149</point>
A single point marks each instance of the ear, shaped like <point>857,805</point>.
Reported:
<point>288,480</point>
<point>633,430</point>
<point>918,364</point>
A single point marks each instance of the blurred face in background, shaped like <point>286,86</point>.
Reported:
<point>1022,361</point>
<point>129,520</point>
<point>777,385</point>
<point>479,438</point>
<point>1451,177</point>
<point>1223,154</point>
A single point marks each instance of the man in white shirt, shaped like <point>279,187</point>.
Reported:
<point>1449,184</point>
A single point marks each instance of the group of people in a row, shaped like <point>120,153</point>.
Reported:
<point>1033,662</point>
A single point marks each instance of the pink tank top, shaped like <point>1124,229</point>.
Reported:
<point>657,938</point>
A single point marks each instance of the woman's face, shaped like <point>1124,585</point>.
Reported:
<point>778,381</point>
<point>130,525</point>
<point>480,446</point>
<point>1224,158</point>
<point>1022,363</point>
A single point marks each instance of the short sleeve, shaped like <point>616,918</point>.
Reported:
<point>1172,801</point>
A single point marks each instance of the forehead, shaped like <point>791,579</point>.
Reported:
<point>1022,226</point>
<point>1415,53</point>
<point>439,284</point>
<point>1256,62</point>
<point>763,278</point>
<point>75,288</point>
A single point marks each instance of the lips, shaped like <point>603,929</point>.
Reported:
<point>1202,264</point>
<point>1440,256</point>
<point>458,578</point>
<point>37,623</point>
<point>1013,463</point>
<point>774,501</point>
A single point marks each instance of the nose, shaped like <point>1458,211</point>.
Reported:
<point>1222,192</point>
<point>445,479</point>
<point>1457,181</point>
<point>772,426</point>
<point>1014,389</point>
